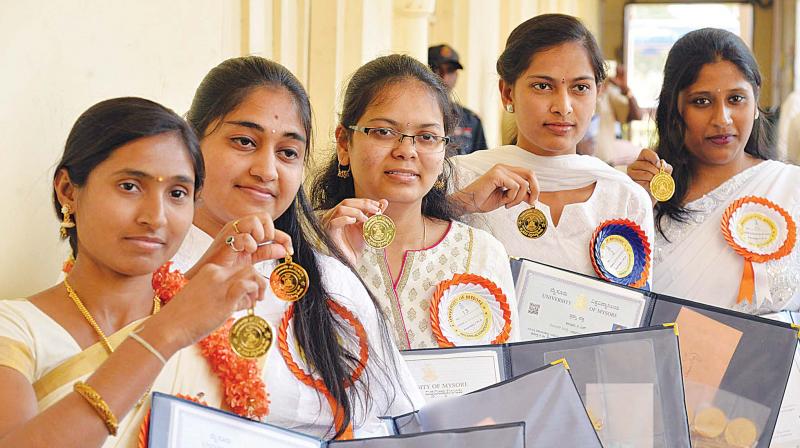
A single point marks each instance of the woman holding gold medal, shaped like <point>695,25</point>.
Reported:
<point>77,361</point>
<point>315,355</point>
<point>383,200</point>
<point>575,212</point>
<point>728,235</point>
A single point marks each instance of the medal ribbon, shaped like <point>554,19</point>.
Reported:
<point>755,279</point>
<point>316,383</point>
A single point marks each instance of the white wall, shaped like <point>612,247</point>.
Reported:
<point>60,57</point>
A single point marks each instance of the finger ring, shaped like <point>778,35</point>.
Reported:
<point>229,241</point>
<point>236,226</point>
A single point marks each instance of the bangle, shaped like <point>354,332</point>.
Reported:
<point>149,347</point>
<point>98,404</point>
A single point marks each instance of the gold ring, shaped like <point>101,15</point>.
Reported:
<point>236,226</point>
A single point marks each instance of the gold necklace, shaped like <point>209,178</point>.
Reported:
<point>93,323</point>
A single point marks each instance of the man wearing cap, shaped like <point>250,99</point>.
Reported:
<point>468,135</point>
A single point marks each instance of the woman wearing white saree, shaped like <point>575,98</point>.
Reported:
<point>728,235</point>
<point>332,350</point>
<point>78,360</point>
<point>550,73</point>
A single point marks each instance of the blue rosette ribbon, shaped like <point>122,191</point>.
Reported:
<point>620,253</point>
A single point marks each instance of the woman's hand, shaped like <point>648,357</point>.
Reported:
<point>255,239</point>
<point>502,185</point>
<point>203,305</point>
<point>345,222</point>
<point>645,168</point>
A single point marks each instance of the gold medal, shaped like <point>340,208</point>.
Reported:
<point>532,223</point>
<point>251,336</point>
<point>379,231</point>
<point>289,281</point>
<point>662,186</point>
<point>741,433</point>
<point>710,422</point>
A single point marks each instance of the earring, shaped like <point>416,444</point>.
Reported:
<point>510,108</point>
<point>344,171</point>
<point>66,222</point>
<point>758,113</point>
<point>439,184</point>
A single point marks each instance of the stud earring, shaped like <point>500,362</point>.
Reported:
<point>758,113</point>
<point>344,171</point>
<point>66,222</point>
<point>510,108</point>
<point>439,184</point>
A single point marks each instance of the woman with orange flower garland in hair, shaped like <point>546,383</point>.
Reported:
<point>332,368</point>
<point>728,236</point>
<point>383,199</point>
<point>86,352</point>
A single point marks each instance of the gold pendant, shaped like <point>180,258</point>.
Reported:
<point>662,186</point>
<point>251,336</point>
<point>532,223</point>
<point>379,231</point>
<point>289,281</point>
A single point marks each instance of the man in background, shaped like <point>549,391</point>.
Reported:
<point>468,134</point>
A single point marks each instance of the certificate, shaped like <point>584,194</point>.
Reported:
<point>453,373</point>
<point>555,303</point>
<point>787,428</point>
<point>177,423</point>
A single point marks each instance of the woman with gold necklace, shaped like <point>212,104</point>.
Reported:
<point>85,353</point>
<point>332,369</point>
<point>383,200</point>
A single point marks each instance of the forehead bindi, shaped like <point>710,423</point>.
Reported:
<point>720,77</point>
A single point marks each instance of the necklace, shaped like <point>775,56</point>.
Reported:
<point>424,235</point>
<point>93,323</point>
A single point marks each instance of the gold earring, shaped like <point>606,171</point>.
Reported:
<point>66,222</point>
<point>439,184</point>
<point>344,171</point>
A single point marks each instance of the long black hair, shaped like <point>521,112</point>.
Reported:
<point>365,86</point>
<point>542,33</point>
<point>684,62</point>
<point>110,124</point>
<point>317,330</point>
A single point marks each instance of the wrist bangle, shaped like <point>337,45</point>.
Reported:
<point>98,404</point>
<point>147,346</point>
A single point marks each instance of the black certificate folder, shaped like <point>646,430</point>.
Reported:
<point>555,303</point>
<point>545,399</point>
<point>510,435</point>
<point>735,369</point>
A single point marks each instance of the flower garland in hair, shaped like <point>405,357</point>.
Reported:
<point>244,389</point>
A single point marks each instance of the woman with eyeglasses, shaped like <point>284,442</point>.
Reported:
<point>439,282</point>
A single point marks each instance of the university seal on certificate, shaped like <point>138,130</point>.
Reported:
<point>469,310</point>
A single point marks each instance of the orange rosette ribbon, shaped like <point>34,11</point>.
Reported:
<point>289,352</point>
<point>759,230</point>
<point>469,310</point>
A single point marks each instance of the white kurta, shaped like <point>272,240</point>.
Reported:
<point>567,245</point>
<point>695,262</point>
<point>297,406</point>
<point>406,302</point>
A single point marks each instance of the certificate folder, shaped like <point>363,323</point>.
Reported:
<point>510,435</point>
<point>555,303</point>
<point>179,423</point>
<point>545,399</point>
<point>630,380</point>
<point>735,369</point>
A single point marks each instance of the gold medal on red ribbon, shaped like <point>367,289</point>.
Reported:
<point>289,281</point>
<point>379,231</point>
<point>662,185</point>
<point>532,223</point>
<point>251,336</point>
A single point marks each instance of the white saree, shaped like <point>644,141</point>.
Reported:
<point>695,262</point>
<point>567,245</point>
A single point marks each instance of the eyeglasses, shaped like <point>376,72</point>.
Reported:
<point>389,138</point>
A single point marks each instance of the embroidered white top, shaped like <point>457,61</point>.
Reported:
<point>406,302</point>
<point>695,261</point>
